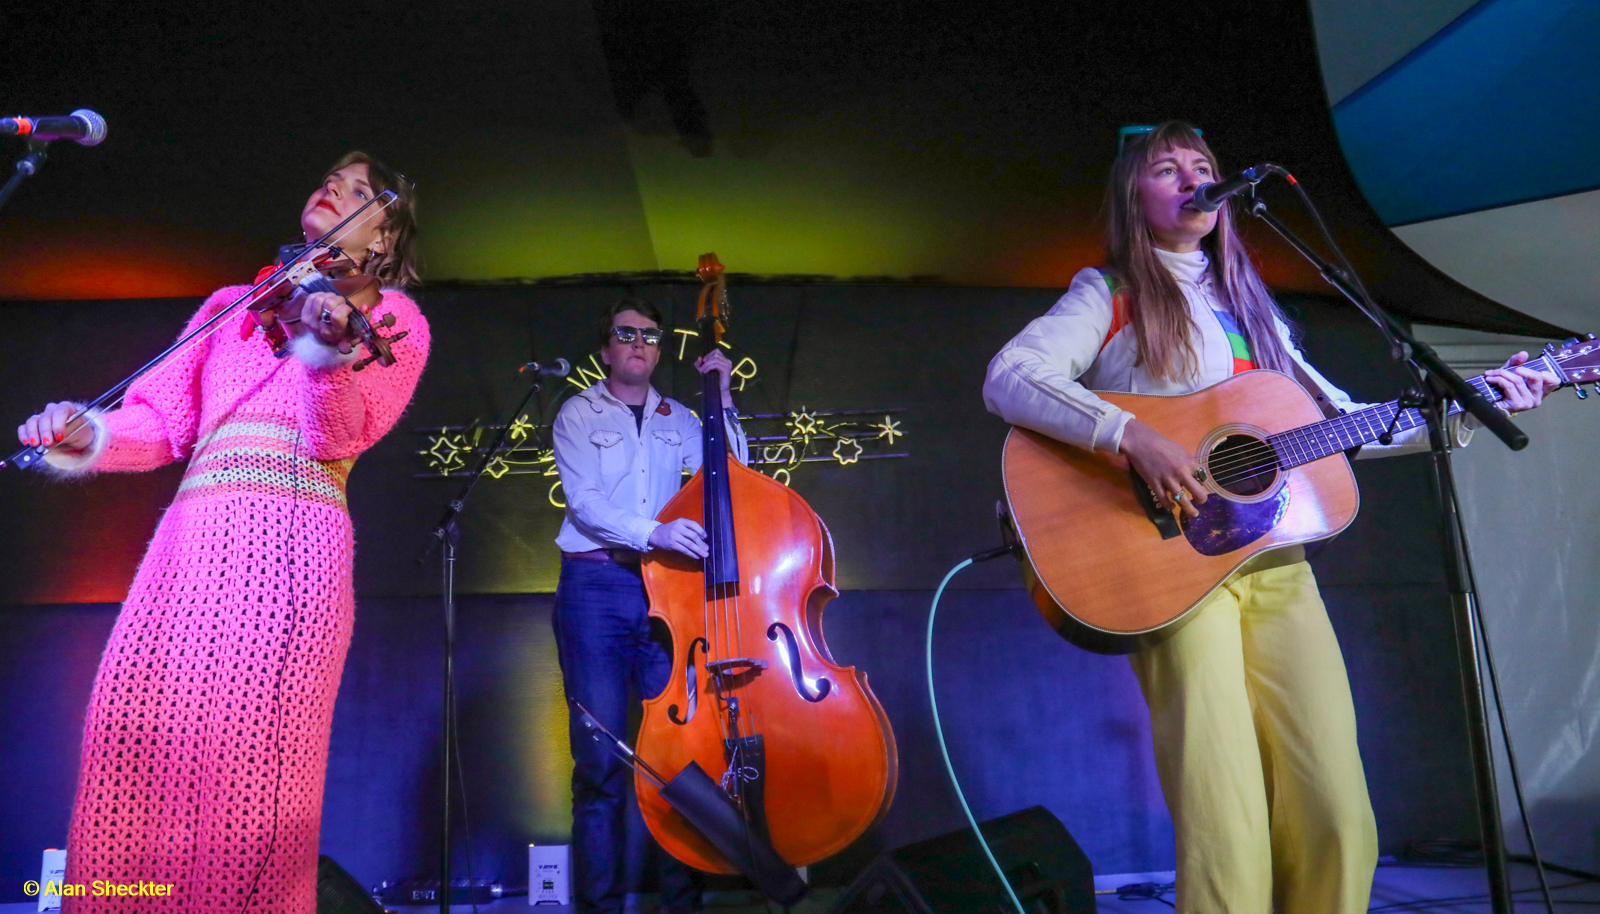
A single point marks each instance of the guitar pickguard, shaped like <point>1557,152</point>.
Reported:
<point>1225,525</point>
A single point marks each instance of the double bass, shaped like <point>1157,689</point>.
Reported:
<point>799,743</point>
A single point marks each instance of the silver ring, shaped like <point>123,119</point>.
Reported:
<point>1179,495</point>
<point>327,316</point>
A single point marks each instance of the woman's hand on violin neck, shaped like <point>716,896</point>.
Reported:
<point>51,427</point>
<point>326,315</point>
<point>682,536</point>
<point>1165,467</point>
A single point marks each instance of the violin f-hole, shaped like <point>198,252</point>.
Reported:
<point>795,672</point>
<point>691,685</point>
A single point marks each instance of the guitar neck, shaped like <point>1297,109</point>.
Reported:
<point>1302,445</point>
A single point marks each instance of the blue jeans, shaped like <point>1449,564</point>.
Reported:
<point>603,638</point>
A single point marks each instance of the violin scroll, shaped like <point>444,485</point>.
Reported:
<point>377,345</point>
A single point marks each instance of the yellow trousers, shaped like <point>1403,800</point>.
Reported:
<point>1255,739</point>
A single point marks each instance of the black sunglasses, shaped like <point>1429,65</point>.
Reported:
<point>625,334</point>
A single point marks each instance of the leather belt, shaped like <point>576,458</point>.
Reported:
<point>620,556</point>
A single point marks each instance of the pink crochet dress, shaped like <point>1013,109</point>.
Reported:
<point>206,742</point>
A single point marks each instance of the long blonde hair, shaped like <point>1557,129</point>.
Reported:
<point>1156,307</point>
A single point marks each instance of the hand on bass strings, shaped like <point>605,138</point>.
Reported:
<point>50,428</point>
<point>683,536</point>
<point>327,316</point>
<point>1166,468</point>
<point>717,361</point>
<point>1523,388</point>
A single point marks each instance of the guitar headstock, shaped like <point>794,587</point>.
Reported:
<point>711,311</point>
<point>1577,361</point>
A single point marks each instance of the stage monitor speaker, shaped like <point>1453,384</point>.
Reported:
<point>950,875</point>
<point>338,892</point>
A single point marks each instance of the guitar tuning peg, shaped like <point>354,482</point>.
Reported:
<point>1582,394</point>
<point>1588,336</point>
<point>1570,341</point>
<point>1597,387</point>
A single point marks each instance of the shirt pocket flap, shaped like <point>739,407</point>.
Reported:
<point>669,437</point>
<point>605,438</point>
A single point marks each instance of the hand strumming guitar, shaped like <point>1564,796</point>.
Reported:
<point>1165,466</point>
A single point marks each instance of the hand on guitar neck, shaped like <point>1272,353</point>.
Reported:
<point>1165,466</point>
<point>1522,388</point>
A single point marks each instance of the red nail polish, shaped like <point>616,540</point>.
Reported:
<point>60,437</point>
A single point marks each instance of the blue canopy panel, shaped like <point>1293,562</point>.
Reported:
<point>1501,106</point>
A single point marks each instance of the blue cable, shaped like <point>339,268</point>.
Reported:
<point>939,731</point>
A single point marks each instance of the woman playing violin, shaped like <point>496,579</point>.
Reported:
<point>206,739</point>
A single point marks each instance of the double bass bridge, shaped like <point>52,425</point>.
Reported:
<point>734,672</point>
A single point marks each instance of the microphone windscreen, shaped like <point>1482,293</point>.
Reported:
<point>96,125</point>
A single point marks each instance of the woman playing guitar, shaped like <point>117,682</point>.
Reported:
<point>1254,728</point>
<point>206,740</point>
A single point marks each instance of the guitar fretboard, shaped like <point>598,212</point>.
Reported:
<point>1320,439</point>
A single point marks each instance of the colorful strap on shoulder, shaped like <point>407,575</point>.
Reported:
<point>1242,360</point>
<point>1119,307</point>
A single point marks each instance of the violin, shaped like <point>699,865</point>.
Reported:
<point>273,279</point>
<point>803,748</point>
<point>328,271</point>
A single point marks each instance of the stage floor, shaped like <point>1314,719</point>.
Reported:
<point>1438,890</point>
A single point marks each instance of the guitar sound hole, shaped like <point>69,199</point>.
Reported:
<point>1243,465</point>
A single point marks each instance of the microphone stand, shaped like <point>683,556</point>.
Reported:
<point>446,534</point>
<point>27,166</point>
<point>1437,385</point>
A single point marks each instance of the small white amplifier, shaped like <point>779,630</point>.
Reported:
<point>548,869</point>
<point>51,875</point>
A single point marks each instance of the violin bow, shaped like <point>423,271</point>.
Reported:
<point>31,454</point>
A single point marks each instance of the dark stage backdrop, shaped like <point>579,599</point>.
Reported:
<point>942,139</point>
<point>1032,719</point>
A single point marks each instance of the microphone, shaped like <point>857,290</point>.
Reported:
<point>557,369</point>
<point>82,126</point>
<point>1209,197</point>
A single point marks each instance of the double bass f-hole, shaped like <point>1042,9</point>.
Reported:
<point>691,685</point>
<point>796,672</point>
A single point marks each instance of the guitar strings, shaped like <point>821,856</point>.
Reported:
<point>1314,437</point>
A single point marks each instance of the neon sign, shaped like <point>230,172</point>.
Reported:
<point>780,443</point>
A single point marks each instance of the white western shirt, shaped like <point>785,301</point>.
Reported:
<point>618,475</point>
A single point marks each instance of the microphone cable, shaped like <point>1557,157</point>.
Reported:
<point>938,729</point>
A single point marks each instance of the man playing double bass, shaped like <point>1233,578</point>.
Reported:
<point>622,451</point>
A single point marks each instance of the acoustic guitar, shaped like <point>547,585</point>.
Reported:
<point>1113,570</point>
